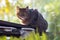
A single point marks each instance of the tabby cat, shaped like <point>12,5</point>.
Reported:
<point>32,17</point>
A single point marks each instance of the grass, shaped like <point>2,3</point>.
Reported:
<point>32,36</point>
<point>2,37</point>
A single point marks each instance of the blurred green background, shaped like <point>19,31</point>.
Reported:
<point>50,9</point>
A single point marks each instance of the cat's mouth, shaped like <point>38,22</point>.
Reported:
<point>24,18</point>
<point>24,21</point>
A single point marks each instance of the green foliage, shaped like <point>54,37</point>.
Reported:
<point>32,36</point>
<point>53,13</point>
<point>2,37</point>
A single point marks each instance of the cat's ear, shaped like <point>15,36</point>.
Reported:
<point>17,8</point>
<point>27,7</point>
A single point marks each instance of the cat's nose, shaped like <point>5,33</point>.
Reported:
<point>23,18</point>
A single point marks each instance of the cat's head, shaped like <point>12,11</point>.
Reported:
<point>23,13</point>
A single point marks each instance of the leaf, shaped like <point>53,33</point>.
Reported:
<point>7,9</point>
